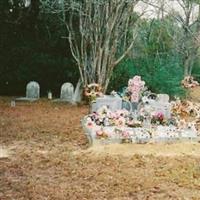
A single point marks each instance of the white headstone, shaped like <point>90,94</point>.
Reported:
<point>67,92</point>
<point>165,108</point>
<point>33,90</point>
<point>164,98</point>
<point>113,103</point>
<point>161,105</point>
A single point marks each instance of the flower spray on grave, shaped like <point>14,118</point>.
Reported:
<point>131,95</point>
<point>92,91</point>
<point>189,82</point>
<point>157,118</point>
<point>135,88</point>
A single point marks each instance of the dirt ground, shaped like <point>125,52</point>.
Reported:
<point>44,155</point>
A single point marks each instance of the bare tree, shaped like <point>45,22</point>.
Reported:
<point>187,15</point>
<point>101,34</point>
<point>106,35</point>
<point>190,43</point>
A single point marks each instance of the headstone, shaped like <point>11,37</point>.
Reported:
<point>33,90</point>
<point>162,105</point>
<point>164,98</point>
<point>130,106</point>
<point>165,108</point>
<point>113,103</point>
<point>67,92</point>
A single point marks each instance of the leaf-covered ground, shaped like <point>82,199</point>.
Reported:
<point>44,155</point>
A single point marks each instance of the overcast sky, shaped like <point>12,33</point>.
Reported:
<point>169,6</point>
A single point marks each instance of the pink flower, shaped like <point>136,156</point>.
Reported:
<point>90,124</point>
<point>136,79</point>
<point>99,133</point>
<point>125,134</point>
<point>135,89</point>
<point>140,85</point>
<point>159,116</point>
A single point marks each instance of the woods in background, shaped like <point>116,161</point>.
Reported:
<point>38,43</point>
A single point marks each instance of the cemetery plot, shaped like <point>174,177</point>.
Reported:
<point>48,152</point>
<point>138,118</point>
<point>105,126</point>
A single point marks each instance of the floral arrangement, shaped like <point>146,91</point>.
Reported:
<point>104,117</point>
<point>135,88</point>
<point>147,122</point>
<point>123,125</point>
<point>185,108</point>
<point>157,118</point>
<point>92,91</point>
<point>189,82</point>
<point>123,118</point>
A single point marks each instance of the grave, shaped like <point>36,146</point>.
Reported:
<point>152,118</point>
<point>105,126</point>
<point>32,92</point>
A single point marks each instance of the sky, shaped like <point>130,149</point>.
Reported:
<point>169,6</point>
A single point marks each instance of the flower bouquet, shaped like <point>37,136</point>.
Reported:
<point>92,91</point>
<point>157,118</point>
<point>189,82</point>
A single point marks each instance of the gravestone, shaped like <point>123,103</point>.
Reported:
<point>162,105</point>
<point>164,98</point>
<point>33,90</point>
<point>67,92</point>
<point>113,103</point>
<point>130,106</point>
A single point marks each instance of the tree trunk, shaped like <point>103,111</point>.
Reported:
<point>77,97</point>
<point>106,83</point>
<point>188,64</point>
<point>186,67</point>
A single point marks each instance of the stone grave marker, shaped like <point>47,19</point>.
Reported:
<point>67,92</point>
<point>32,92</point>
<point>113,103</point>
<point>162,105</point>
<point>164,98</point>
